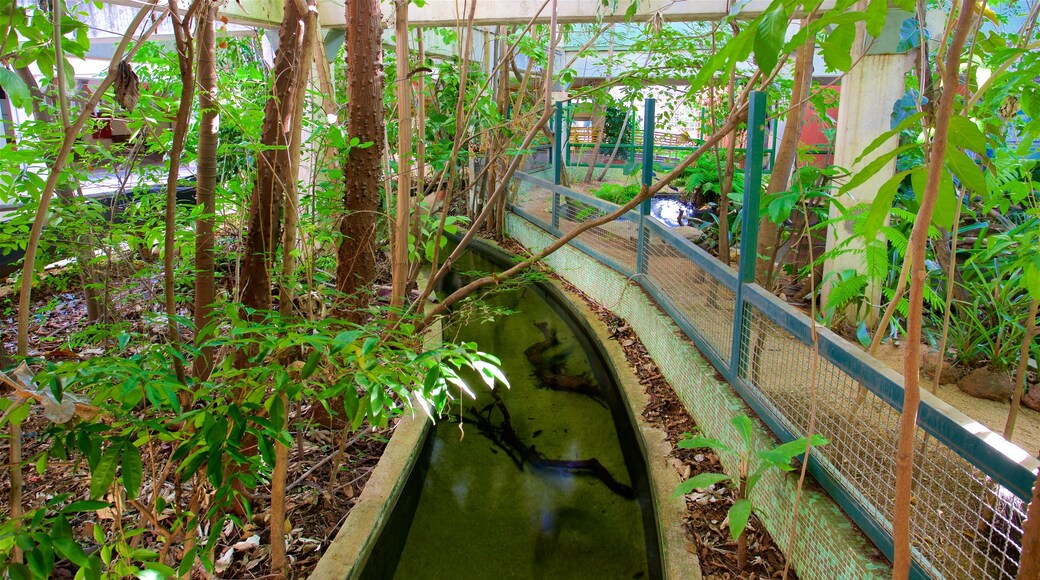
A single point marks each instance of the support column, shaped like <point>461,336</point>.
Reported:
<point>868,94</point>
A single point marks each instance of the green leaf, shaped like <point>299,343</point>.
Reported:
<point>882,138</point>
<point>215,467</point>
<point>909,35</point>
<point>877,12</point>
<point>744,426</point>
<point>343,340</point>
<point>133,471</point>
<point>15,88</point>
<point>770,37</point>
<point>882,204</point>
<point>946,203</point>
<point>966,170</point>
<point>1031,277</point>
<point>369,345</point>
<point>788,451</point>
<point>72,551</point>
<point>837,48</point>
<point>84,505</point>
<point>311,364</point>
<point>862,334</point>
<point>698,441</point>
<point>966,135</point>
<point>739,515</point>
<point>187,562</point>
<point>19,415</point>
<point>19,572</point>
<point>700,481</point>
<point>870,169</point>
<point>942,214</point>
<point>102,475</point>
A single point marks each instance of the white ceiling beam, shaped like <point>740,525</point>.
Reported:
<point>268,13</point>
<point>492,12</point>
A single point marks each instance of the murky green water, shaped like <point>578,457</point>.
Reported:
<point>499,498</point>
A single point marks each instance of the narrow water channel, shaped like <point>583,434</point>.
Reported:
<point>542,480</point>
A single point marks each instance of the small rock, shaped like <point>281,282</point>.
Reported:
<point>985,383</point>
<point>1032,398</point>
<point>689,232</point>
<point>950,373</point>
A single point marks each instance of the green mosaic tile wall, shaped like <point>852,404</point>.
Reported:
<point>827,544</point>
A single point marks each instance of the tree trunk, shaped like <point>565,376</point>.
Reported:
<point>1029,564</point>
<point>1020,372</point>
<point>599,117</point>
<point>206,186</point>
<point>292,193</point>
<point>916,255</point>
<point>399,263</point>
<point>355,266</point>
<point>185,58</point>
<point>726,186</point>
<point>274,170</point>
<point>617,145</point>
<point>786,155</point>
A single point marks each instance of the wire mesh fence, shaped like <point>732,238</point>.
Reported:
<point>704,301</point>
<point>964,523</point>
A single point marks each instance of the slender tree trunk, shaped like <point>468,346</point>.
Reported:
<point>206,186</point>
<point>598,124</point>
<point>1029,563</point>
<point>493,161</point>
<point>185,61</point>
<point>1020,371</point>
<point>916,254</point>
<point>726,186</point>
<point>617,146</point>
<point>742,538</point>
<point>278,480</point>
<point>292,190</point>
<point>786,155</point>
<point>355,266</point>
<point>399,263</point>
<point>274,171</point>
<point>420,153</point>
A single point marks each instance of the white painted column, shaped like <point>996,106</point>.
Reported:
<point>868,94</point>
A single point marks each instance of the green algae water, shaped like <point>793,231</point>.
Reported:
<point>541,480</point>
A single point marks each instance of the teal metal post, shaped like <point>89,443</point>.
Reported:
<point>558,165</point>
<point>749,225</point>
<point>648,179</point>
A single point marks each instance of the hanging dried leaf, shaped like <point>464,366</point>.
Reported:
<point>128,86</point>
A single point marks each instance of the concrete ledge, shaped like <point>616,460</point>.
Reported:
<point>349,551</point>
<point>827,544</point>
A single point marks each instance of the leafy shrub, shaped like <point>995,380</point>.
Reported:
<point>619,194</point>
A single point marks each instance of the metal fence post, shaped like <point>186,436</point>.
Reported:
<point>749,223</point>
<point>558,165</point>
<point>648,179</point>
